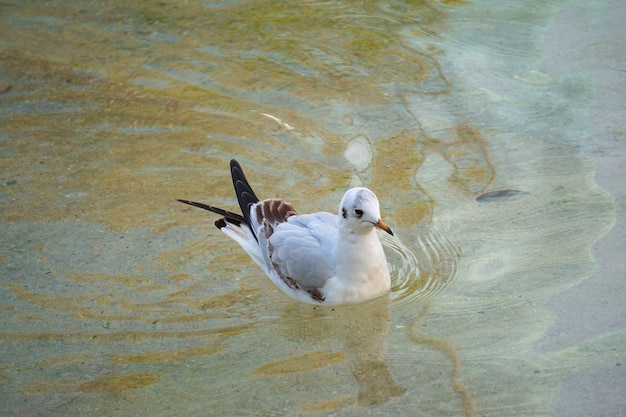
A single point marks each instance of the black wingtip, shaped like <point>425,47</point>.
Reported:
<point>200,205</point>
<point>245,194</point>
<point>245,197</point>
<point>228,215</point>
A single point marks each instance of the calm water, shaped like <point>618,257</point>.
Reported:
<point>471,122</point>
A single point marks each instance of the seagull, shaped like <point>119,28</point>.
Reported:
<point>319,258</point>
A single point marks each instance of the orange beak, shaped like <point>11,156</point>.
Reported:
<point>382,225</point>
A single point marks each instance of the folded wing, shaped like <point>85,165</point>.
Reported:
<point>301,250</point>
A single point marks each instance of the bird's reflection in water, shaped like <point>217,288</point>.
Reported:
<point>362,331</point>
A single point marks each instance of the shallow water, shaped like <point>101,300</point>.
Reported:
<point>470,121</point>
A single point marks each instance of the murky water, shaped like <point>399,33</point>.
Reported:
<point>116,300</point>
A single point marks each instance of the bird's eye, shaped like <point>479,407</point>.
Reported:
<point>358,213</point>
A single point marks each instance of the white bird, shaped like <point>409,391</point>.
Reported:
<point>318,258</point>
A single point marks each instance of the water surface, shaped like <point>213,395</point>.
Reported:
<point>465,120</point>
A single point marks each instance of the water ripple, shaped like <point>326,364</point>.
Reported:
<point>422,273</point>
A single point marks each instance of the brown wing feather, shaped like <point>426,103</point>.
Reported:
<point>273,211</point>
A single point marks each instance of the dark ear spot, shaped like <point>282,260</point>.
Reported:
<point>344,212</point>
